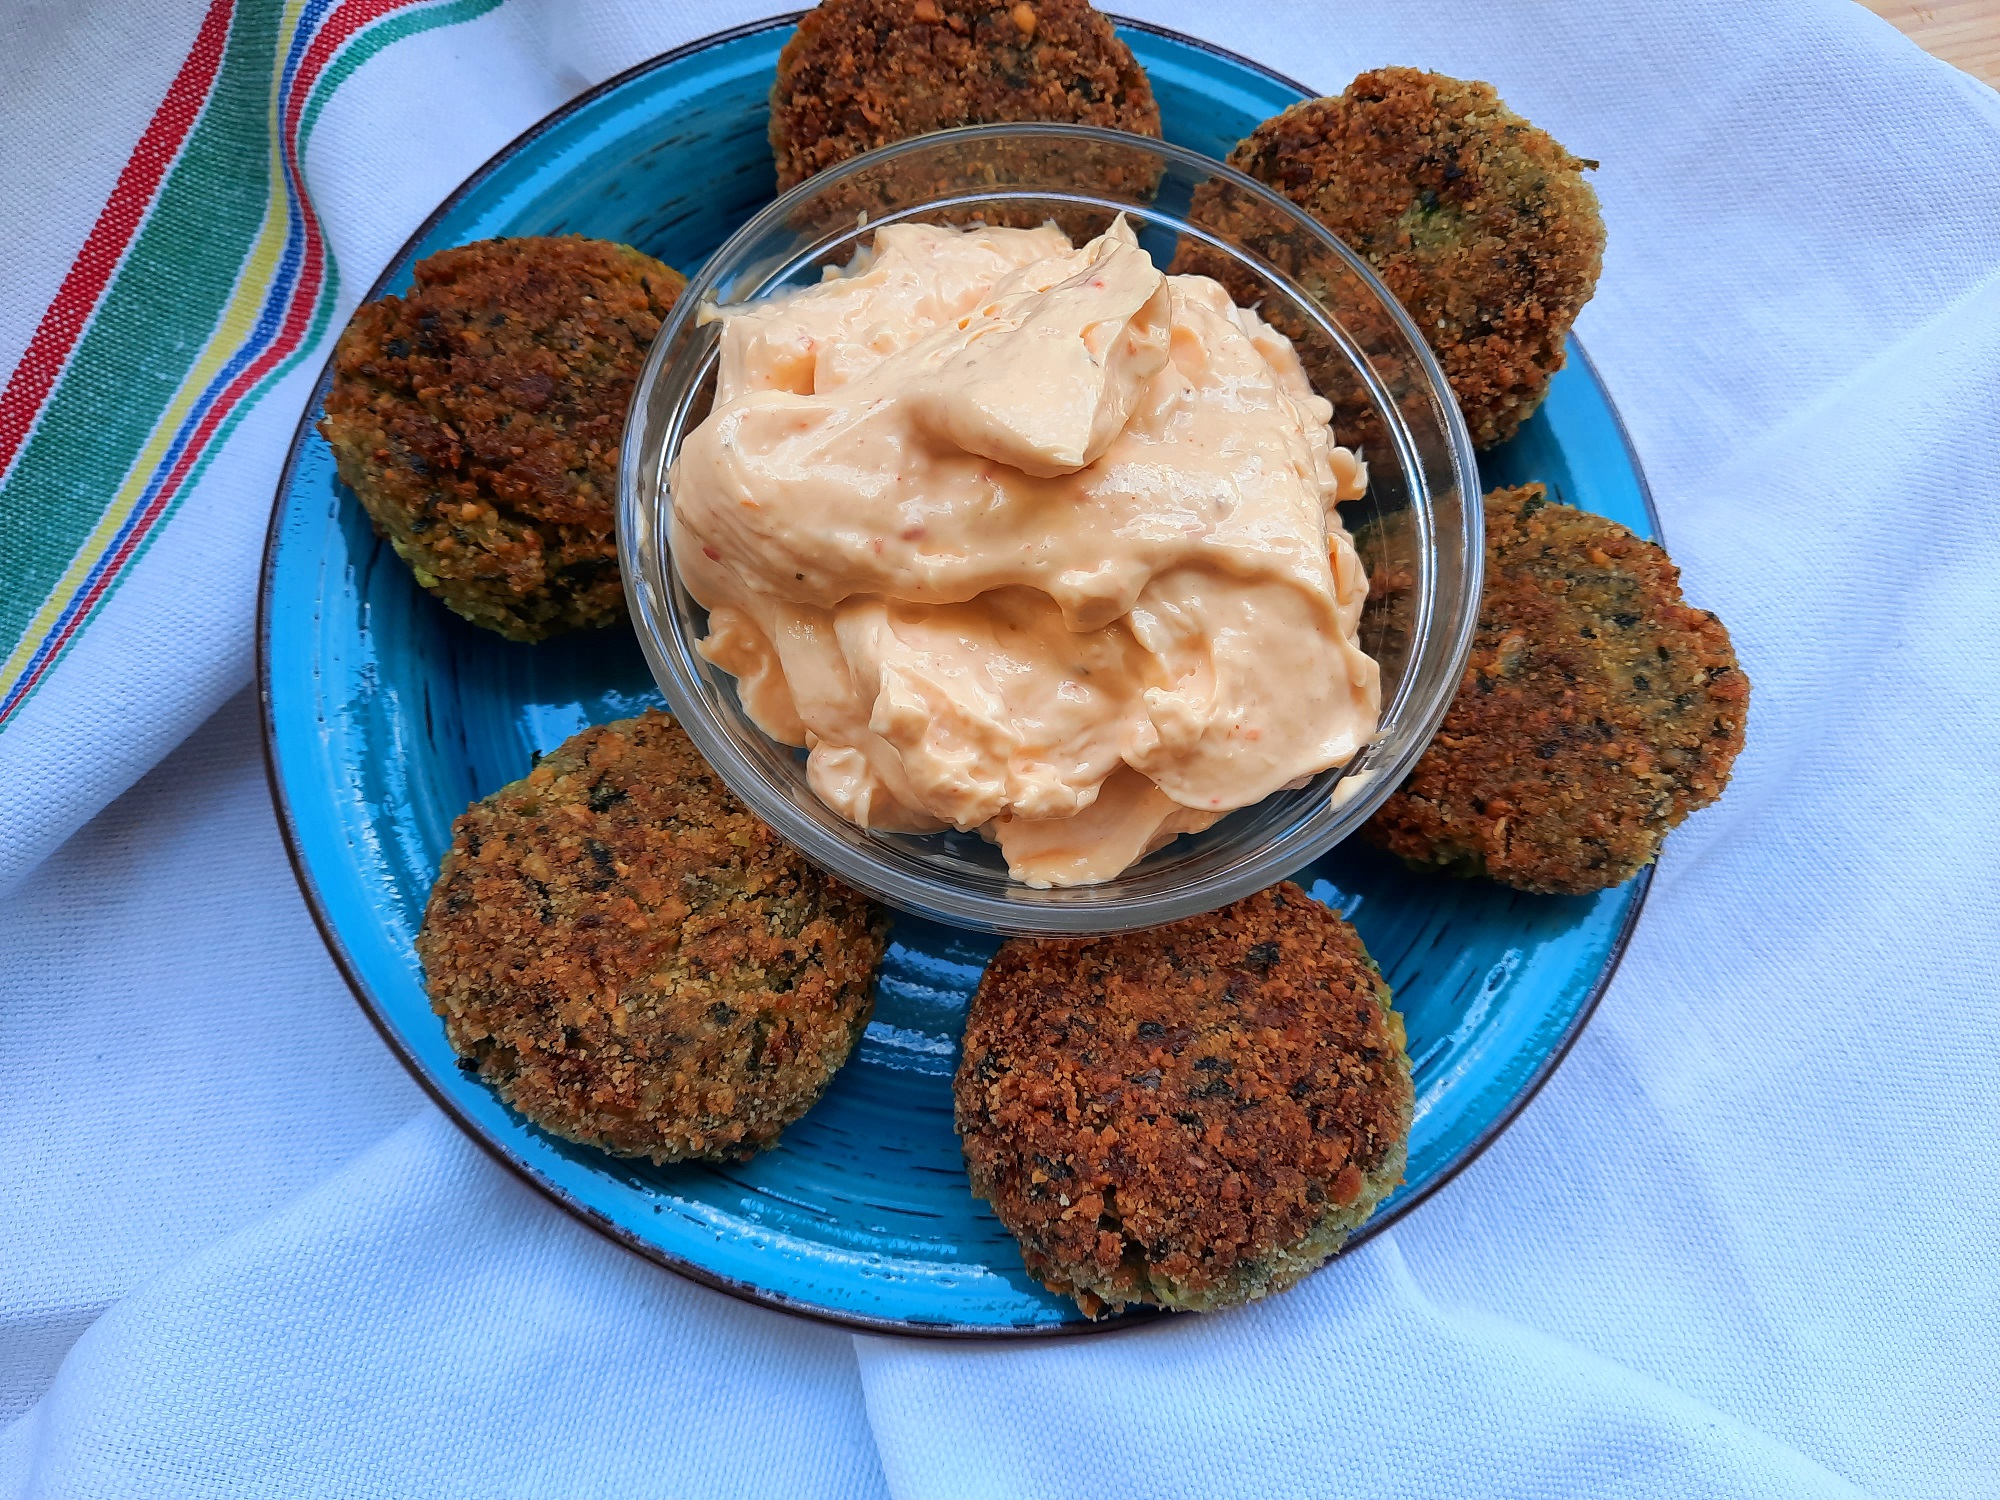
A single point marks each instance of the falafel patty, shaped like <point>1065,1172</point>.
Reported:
<point>479,417</point>
<point>635,961</point>
<point>1480,224</point>
<point>1192,1117</point>
<point>1598,709</point>
<point>859,74</point>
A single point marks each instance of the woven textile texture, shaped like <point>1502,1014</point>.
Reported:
<point>1743,1244</point>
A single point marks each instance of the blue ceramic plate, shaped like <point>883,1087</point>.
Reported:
<point>386,715</point>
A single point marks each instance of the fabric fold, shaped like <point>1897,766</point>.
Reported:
<point>424,1324</point>
<point>1741,1244</point>
<point>1314,1393</point>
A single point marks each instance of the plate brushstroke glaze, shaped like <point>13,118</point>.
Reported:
<point>385,715</point>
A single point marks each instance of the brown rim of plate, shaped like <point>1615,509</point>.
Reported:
<point>746,1291</point>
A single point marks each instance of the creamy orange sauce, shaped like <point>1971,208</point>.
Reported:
<point>1028,539</point>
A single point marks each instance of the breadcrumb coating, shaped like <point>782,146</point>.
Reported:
<point>860,74</point>
<point>1597,711</point>
<point>1481,225</point>
<point>1192,1117</point>
<point>635,961</point>
<point>479,417</point>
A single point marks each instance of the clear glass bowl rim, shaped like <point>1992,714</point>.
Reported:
<point>1084,910</point>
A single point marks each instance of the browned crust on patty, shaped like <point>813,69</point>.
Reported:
<point>1598,709</point>
<point>1193,1116</point>
<point>1481,225</point>
<point>860,74</point>
<point>479,417</point>
<point>637,962</point>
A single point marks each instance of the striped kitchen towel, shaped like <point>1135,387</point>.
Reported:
<point>202,284</point>
<point>197,194</point>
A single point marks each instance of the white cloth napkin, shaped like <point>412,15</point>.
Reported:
<point>1743,1244</point>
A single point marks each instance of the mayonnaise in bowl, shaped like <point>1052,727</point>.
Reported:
<point>1027,539</point>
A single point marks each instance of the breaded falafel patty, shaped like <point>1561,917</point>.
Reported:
<point>1480,224</point>
<point>863,73</point>
<point>479,417</point>
<point>635,961</point>
<point>1194,1116</point>
<point>1598,709</point>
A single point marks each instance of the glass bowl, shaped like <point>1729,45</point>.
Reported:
<point>1419,519</point>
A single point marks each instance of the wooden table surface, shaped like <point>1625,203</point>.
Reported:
<point>1965,33</point>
